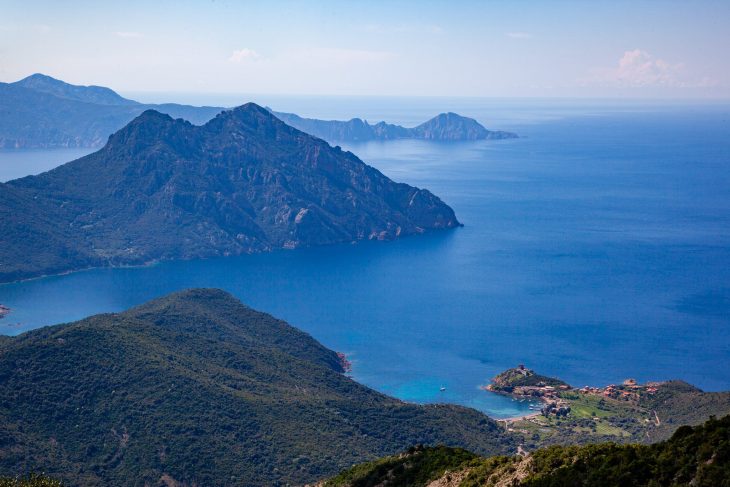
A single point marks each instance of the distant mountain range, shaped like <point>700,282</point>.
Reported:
<point>43,112</point>
<point>446,126</point>
<point>164,189</point>
<point>197,389</point>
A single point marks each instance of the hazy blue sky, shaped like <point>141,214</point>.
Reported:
<point>473,48</point>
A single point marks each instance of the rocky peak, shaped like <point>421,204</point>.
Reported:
<point>150,128</point>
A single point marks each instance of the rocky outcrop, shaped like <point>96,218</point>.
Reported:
<point>452,126</point>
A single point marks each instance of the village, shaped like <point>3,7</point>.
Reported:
<point>629,390</point>
<point>524,383</point>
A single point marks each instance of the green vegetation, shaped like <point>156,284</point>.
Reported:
<point>697,456</point>
<point>591,419</point>
<point>624,413</point>
<point>677,403</point>
<point>522,377</point>
<point>693,456</point>
<point>32,480</point>
<point>416,467</point>
<point>649,419</point>
<point>197,388</point>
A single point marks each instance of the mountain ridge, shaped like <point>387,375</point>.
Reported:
<point>198,388</point>
<point>694,456</point>
<point>448,126</point>
<point>43,112</point>
<point>163,188</point>
<point>100,95</point>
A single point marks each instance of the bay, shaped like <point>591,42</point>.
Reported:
<point>595,248</point>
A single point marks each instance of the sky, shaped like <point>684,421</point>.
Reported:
<point>643,49</point>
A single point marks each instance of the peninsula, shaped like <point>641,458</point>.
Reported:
<point>628,412</point>
<point>167,189</point>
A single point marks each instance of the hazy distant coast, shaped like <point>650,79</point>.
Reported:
<point>42,112</point>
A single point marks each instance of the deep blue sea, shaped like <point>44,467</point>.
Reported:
<point>595,248</point>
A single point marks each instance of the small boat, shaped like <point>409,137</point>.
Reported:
<point>442,389</point>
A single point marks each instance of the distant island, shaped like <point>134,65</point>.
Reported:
<point>42,112</point>
<point>167,189</point>
<point>626,412</point>
<point>446,127</point>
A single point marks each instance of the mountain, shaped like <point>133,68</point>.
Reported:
<point>697,457</point>
<point>42,112</point>
<point>166,189</point>
<point>89,94</point>
<point>446,126</point>
<point>197,389</point>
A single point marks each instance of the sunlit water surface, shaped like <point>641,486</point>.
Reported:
<point>595,248</point>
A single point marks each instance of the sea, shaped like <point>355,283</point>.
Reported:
<point>595,247</point>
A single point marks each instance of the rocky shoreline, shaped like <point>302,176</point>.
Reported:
<point>344,363</point>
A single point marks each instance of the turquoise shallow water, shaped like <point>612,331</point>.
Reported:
<point>595,248</point>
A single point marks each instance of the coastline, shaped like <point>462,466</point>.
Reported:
<point>514,419</point>
<point>157,261</point>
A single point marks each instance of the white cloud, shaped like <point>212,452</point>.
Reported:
<point>637,68</point>
<point>519,35</point>
<point>129,35</point>
<point>241,55</point>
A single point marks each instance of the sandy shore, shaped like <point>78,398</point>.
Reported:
<point>512,419</point>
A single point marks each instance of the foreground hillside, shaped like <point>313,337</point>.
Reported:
<point>197,388</point>
<point>165,189</point>
<point>693,456</point>
<point>31,480</point>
